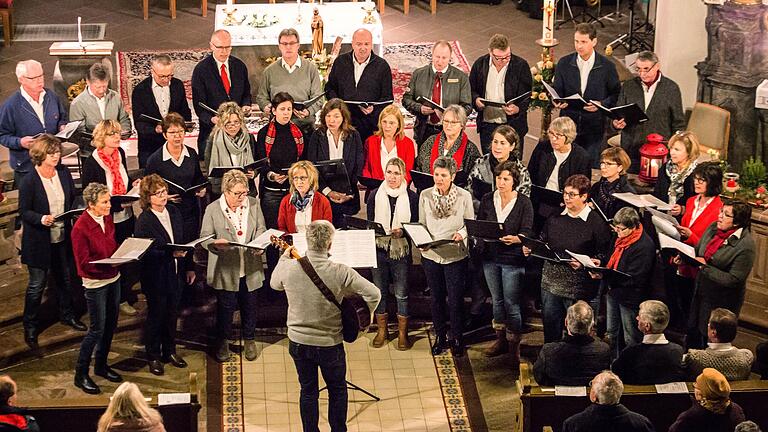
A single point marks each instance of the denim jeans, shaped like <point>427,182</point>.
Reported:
<point>163,310</point>
<point>447,283</point>
<point>38,278</point>
<point>394,272</point>
<point>333,365</point>
<point>622,320</point>
<point>505,283</point>
<point>226,304</point>
<point>103,304</point>
<point>554,309</point>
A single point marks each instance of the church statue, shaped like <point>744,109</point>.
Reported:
<point>317,33</point>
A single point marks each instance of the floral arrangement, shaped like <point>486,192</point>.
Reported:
<point>543,71</point>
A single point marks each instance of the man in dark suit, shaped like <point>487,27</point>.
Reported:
<point>155,97</point>
<point>442,83</point>
<point>218,78</point>
<point>659,97</point>
<point>361,76</point>
<point>500,76</point>
<point>594,77</point>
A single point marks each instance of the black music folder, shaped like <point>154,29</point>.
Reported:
<point>430,103</point>
<point>514,101</point>
<point>218,172</point>
<point>369,183</point>
<point>541,195</point>
<point>334,174</point>
<point>303,105</point>
<point>631,113</point>
<point>422,180</point>
<point>181,189</point>
<point>486,230</point>
<point>542,250</point>
<point>364,224</point>
<point>69,213</point>
<point>366,104</point>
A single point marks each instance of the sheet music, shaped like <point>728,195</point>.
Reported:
<point>584,260</point>
<point>69,129</point>
<point>642,201</point>
<point>193,243</point>
<point>418,233</point>
<point>263,240</point>
<point>667,242</point>
<point>550,90</point>
<point>131,249</point>
<point>355,248</point>
<point>570,391</point>
<point>673,387</point>
<point>173,398</point>
<point>664,223</point>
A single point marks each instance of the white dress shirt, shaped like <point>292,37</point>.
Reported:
<point>494,91</point>
<point>552,182</point>
<point>36,106</point>
<point>55,194</point>
<point>649,91</point>
<point>290,69</point>
<point>180,160</point>
<point>585,66</point>
<point>162,97</point>
<point>359,67</point>
<point>655,339</point>
<point>101,102</point>
<point>502,212</point>
<point>386,155</point>
<point>226,68</point>
<point>583,214</point>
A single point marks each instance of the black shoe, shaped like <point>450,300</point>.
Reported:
<point>86,384</point>
<point>441,344</point>
<point>156,367</point>
<point>75,324</point>
<point>457,348</point>
<point>108,373</point>
<point>175,360</point>
<point>30,337</point>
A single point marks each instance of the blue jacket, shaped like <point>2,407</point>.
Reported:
<point>18,119</point>
<point>603,85</point>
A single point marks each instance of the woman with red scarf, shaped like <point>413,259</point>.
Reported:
<point>634,254</point>
<point>452,142</point>
<point>108,165</point>
<point>726,251</point>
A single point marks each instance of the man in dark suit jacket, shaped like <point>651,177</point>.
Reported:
<point>156,96</point>
<point>511,77</point>
<point>361,76</point>
<point>656,360</point>
<point>594,77</point>
<point>218,78</point>
<point>454,89</point>
<point>659,97</point>
<point>606,413</point>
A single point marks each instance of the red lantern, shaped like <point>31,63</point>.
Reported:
<point>653,154</point>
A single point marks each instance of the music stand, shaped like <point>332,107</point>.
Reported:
<point>631,39</point>
<point>582,17</point>
<point>352,386</point>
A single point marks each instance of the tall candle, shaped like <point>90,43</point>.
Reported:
<point>548,21</point>
<point>229,4</point>
<point>79,31</point>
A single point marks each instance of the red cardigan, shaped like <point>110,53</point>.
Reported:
<point>705,219</point>
<point>286,218</point>
<point>90,243</point>
<point>372,167</point>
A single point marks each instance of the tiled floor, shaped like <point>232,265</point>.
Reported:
<point>406,381</point>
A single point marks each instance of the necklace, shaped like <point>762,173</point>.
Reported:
<point>231,214</point>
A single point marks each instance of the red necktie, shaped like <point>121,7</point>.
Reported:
<point>436,93</point>
<point>224,78</point>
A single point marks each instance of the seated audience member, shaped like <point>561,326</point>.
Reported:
<point>229,143</point>
<point>577,358</point>
<point>98,103</point>
<point>13,418</point>
<point>656,360</point>
<point>128,411</point>
<point>730,361</point>
<point>606,412</point>
<point>388,142</point>
<point>761,359</point>
<point>302,204</point>
<point>747,426</point>
<point>712,410</point>
<point>614,163</point>
<point>452,142</point>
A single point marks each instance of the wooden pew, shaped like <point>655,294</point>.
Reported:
<point>539,409</point>
<point>82,414</point>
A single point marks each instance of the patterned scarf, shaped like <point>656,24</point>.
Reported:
<point>443,204</point>
<point>225,146</point>
<point>622,243</point>
<point>295,131</point>
<point>301,203</point>
<point>113,164</point>
<point>717,241</point>
<point>605,189</point>
<point>677,179</point>
<point>438,148</point>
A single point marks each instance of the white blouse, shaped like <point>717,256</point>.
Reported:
<point>55,194</point>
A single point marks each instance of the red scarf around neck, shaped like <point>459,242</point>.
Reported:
<point>458,156</point>
<point>622,243</point>
<point>717,241</point>
<point>113,164</point>
<point>269,141</point>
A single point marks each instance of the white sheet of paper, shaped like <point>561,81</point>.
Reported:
<point>418,233</point>
<point>173,398</point>
<point>134,191</point>
<point>262,241</point>
<point>355,248</point>
<point>667,242</point>
<point>69,129</point>
<point>663,226</point>
<point>553,94</point>
<point>642,201</point>
<point>570,391</point>
<point>673,387</point>
<point>194,243</point>
<point>584,260</point>
<point>655,202</point>
<point>131,249</point>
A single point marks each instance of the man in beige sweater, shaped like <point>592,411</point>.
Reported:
<point>734,363</point>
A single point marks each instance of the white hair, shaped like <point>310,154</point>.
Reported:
<point>656,314</point>
<point>320,235</point>
<point>22,66</point>
<point>608,388</point>
<point>579,318</point>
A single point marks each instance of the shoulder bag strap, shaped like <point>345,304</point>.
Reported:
<point>310,271</point>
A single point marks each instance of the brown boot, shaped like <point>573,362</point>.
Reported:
<point>499,346</point>
<point>514,348</point>
<point>381,335</point>
<point>402,333</point>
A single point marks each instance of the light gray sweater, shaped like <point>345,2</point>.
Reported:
<point>442,229</point>
<point>303,84</point>
<point>312,319</point>
<point>84,107</point>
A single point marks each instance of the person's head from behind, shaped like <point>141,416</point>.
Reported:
<point>722,326</point>
<point>579,318</point>
<point>7,391</point>
<point>712,390</point>
<point>747,426</point>
<point>653,317</point>
<point>320,236</point>
<point>606,388</point>
<point>127,403</point>
<point>98,80</point>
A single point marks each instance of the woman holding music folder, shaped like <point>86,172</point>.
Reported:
<point>579,230</point>
<point>336,139</point>
<point>504,145</point>
<point>229,144</point>
<point>442,210</point>
<point>234,272</point>
<point>161,271</point>
<point>392,205</point>
<point>46,192</point>
<point>503,260</point>
<point>302,204</point>
<point>108,165</point>
<point>614,163</point>
<point>452,141</point>
<point>93,238</point>
<point>389,141</point>
<point>675,184</point>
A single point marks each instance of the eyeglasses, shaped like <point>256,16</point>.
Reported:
<point>699,180</point>
<point>288,44</point>
<point>505,58</point>
<point>169,76</point>
<point>451,122</point>
<point>224,47</point>
<point>175,132</point>
<point>723,214</point>
<point>34,77</point>
<point>646,70</point>
<point>618,228</point>
<point>112,133</point>
<point>238,194</point>
<point>607,163</point>
<point>571,195</point>
<point>235,123</point>
<point>301,178</point>
<point>161,193</point>
<point>553,134</point>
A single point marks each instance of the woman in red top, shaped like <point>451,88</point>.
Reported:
<point>303,204</point>
<point>93,238</point>
<point>389,141</point>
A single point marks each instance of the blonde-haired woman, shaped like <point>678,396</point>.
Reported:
<point>229,144</point>
<point>389,141</point>
<point>675,182</point>
<point>302,205</point>
<point>129,411</point>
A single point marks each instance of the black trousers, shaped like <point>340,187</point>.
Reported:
<point>160,330</point>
